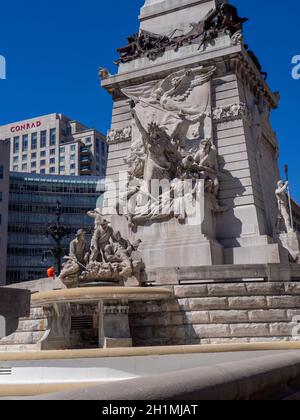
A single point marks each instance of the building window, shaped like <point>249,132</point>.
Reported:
<point>88,140</point>
<point>43,163</point>
<point>25,143</point>
<point>24,157</point>
<point>52,170</point>
<point>52,152</point>
<point>16,144</point>
<point>62,150</point>
<point>73,166</point>
<point>24,167</point>
<point>97,146</point>
<point>33,155</point>
<point>52,161</point>
<point>43,142</point>
<point>1,171</point>
<point>43,153</point>
<point>72,148</point>
<point>53,137</point>
<point>16,159</point>
<point>34,138</point>
<point>72,158</point>
<point>62,160</point>
<point>15,168</point>
<point>33,164</point>
<point>43,171</point>
<point>62,169</point>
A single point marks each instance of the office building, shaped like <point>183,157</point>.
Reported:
<point>4,194</point>
<point>55,145</point>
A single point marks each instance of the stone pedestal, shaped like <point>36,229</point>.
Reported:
<point>239,104</point>
<point>57,335</point>
<point>108,317</point>
<point>291,242</point>
<point>254,249</point>
<point>114,328</point>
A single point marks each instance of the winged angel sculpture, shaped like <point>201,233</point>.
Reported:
<point>171,141</point>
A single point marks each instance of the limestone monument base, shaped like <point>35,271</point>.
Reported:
<point>190,103</point>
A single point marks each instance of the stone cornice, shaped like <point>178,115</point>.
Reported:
<point>235,55</point>
<point>251,75</point>
<point>154,71</point>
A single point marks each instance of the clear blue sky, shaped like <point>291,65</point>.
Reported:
<point>54,47</point>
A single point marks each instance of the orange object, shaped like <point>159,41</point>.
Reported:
<point>51,272</point>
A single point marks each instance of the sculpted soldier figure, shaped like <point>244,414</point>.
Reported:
<point>207,159</point>
<point>162,156</point>
<point>76,260</point>
<point>102,235</point>
<point>283,204</point>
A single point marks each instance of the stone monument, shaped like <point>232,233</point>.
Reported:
<point>193,172</point>
<point>191,104</point>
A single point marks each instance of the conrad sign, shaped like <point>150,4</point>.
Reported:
<point>25,126</point>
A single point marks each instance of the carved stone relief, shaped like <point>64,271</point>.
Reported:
<point>172,143</point>
<point>119,136</point>
<point>232,112</point>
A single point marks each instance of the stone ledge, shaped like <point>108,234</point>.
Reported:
<point>277,273</point>
<point>265,377</point>
<point>237,289</point>
<point>145,351</point>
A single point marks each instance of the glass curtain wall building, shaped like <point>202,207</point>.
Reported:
<point>32,204</point>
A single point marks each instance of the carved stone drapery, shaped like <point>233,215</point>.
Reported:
<point>180,104</point>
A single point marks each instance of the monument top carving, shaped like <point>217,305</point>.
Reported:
<point>180,14</point>
<point>170,4</point>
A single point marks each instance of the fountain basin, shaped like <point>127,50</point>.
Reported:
<point>91,316</point>
<point>95,294</point>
